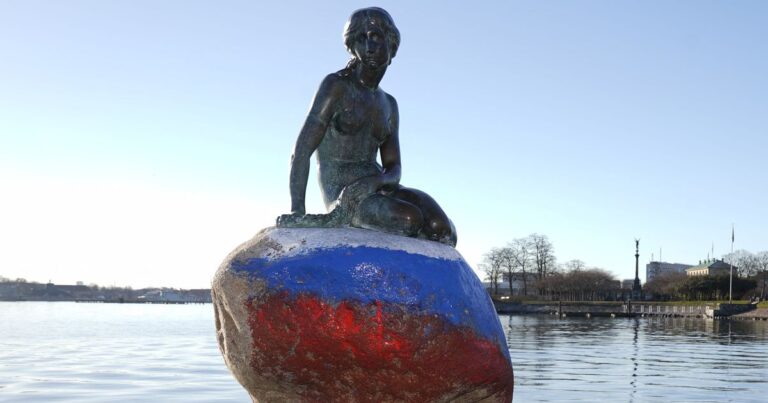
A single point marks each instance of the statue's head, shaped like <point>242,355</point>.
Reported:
<point>370,25</point>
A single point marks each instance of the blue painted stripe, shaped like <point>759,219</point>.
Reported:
<point>424,284</point>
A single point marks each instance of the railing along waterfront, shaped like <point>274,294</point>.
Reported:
<point>665,310</point>
<point>631,308</point>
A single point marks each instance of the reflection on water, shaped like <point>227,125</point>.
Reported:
<point>638,359</point>
<point>635,333</point>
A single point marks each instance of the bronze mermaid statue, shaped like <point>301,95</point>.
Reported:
<point>351,120</point>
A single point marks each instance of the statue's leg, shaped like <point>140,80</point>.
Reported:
<point>437,225</point>
<point>384,213</point>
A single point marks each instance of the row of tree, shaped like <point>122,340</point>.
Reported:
<point>750,280</point>
<point>752,266</point>
<point>528,259</point>
<point>529,267</point>
<point>748,264</point>
<point>679,286</point>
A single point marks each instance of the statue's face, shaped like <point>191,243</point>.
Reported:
<point>372,46</point>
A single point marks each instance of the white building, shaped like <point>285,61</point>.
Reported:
<point>711,268</point>
<point>655,269</point>
<point>517,284</point>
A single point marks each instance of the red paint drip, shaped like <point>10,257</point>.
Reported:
<point>371,353</point>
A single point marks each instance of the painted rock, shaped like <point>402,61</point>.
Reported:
<point>351,315</point>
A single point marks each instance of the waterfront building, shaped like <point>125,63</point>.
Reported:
<point>502,287</point>
<point>655,269</point>
<point>518,285</point>
<point>199,295</point>
<point>9,290</point>
<point>78,291</point>
<point>710,268</point>
<point>162,295</point>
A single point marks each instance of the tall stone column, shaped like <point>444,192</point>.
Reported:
<point>637,289</point>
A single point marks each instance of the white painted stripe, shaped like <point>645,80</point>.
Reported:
<point>296,241</point>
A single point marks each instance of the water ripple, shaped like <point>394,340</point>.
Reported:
<point>66,352</point>
<point>105,353</point>
<point>637,360</point>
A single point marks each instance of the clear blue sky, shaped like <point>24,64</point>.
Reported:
<point>140,141</point>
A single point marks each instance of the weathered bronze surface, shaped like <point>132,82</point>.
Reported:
<point>350,121</point>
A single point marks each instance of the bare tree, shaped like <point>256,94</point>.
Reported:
<point>751,265</point>
<point>520,253</point>
<point>582,284</point>
<point>492,267</point>
<point>508,266</point>
<point>574,265</point>
<point>762,264</point>
<point>555,284</point>
<point>666,285</point>
<point>543,258</point>
<point>744,262</point>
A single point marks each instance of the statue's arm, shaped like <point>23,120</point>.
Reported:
<point>390,149</point>
<point>311,135</point>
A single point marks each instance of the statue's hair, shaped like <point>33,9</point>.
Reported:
<point>355,27</point>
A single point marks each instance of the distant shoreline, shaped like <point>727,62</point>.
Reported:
<point>21,290</point>
<point>134,301</point>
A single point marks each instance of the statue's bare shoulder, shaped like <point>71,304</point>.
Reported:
<point>326,101</point>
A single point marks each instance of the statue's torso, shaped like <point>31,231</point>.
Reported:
<point>362,121</point>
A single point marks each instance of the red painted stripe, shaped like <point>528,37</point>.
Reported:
<point>371,352</point>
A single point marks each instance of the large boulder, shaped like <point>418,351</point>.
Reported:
<point>352,315</point>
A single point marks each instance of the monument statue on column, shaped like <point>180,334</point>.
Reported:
<point>637,289</point>
<point>369,301</point>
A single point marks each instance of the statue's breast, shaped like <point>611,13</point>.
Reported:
<point>363,114</point>
<point>350,119</point>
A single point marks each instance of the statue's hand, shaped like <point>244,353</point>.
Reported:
<point>355,192</point>
<point>288,220</point>
<point>294,218</point>
<point>330,220</point>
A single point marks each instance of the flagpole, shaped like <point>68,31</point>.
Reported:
<point>730,283</point>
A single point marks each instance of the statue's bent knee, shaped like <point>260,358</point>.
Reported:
<point>412,221</point>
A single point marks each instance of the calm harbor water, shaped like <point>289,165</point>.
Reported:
<point>68,352</point>
<point>637,360</point>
